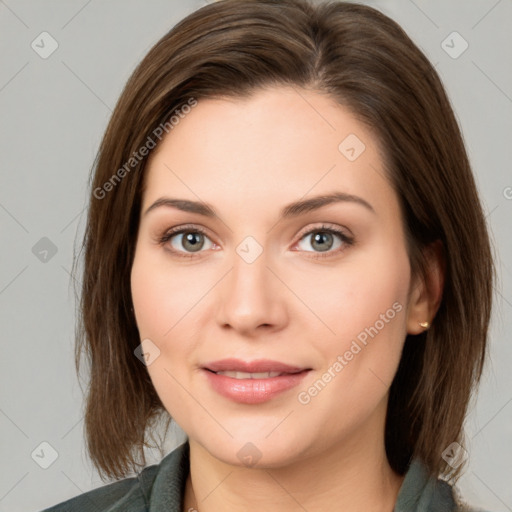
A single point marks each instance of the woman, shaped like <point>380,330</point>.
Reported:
<point>305,377</point>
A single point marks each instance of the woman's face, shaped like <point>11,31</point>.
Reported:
<point>266,282</point>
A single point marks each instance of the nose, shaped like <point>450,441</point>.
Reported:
<point>252,297</point>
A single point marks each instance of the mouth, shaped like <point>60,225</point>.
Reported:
<point>252,382</point>
<point>246,375</point>
<point>256,367</point>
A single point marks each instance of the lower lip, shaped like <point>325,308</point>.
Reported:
<point>253,391</point>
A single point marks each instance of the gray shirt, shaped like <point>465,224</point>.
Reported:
<point>160,488</point>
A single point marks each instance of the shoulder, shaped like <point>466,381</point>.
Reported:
<point>132,494</point>
<point>126,495</point>
<point>461,505</point>
<point>464,507</point>
<point>421,492</point>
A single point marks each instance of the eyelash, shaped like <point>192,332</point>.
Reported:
<point>347,240</point>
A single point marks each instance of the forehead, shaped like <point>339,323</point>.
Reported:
<point>280,143</point>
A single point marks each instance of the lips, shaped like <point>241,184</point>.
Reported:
<point>257,366</point>
<point>252,382</point>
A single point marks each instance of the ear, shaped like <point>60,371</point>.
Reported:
<point>426,291</point>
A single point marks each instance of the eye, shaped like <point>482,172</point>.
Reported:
<point>185,240</point>
<point>324,240</point>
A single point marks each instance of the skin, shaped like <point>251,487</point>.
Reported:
<point>248,158</point>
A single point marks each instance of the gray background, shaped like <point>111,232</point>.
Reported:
<point>54,111</point>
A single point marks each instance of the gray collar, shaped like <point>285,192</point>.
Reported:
<point>418,492</point>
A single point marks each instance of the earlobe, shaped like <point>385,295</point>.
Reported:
<point>426,297</point>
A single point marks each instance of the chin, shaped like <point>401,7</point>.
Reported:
<point>254,448</point>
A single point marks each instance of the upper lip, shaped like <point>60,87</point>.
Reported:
<point>256,366</point>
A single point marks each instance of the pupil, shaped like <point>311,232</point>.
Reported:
<point>319,237</point>
<point>190,238</point>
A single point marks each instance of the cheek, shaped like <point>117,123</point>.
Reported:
<point>149,299</point>
<point>161,302</point>
<point>162,297</point>
<point>364,305</point>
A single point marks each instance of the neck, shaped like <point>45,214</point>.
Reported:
<point>354,475</point>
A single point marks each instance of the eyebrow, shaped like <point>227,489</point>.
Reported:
<point>291,210</point>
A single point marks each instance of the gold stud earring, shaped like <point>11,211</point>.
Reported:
<point>425,325</point>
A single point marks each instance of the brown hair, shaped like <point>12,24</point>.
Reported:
<point>367,63</point>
